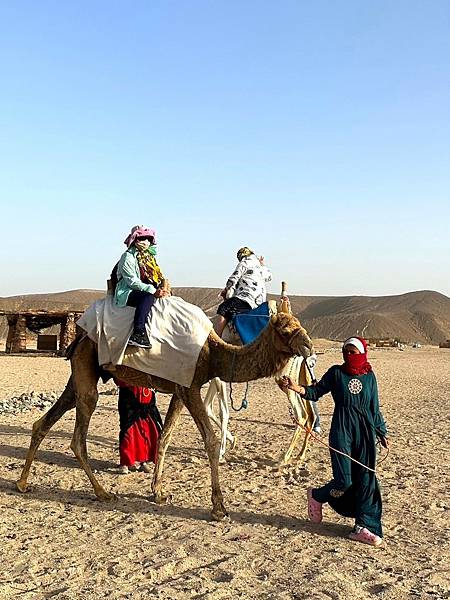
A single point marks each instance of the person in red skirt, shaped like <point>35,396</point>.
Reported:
<point>140,427</point>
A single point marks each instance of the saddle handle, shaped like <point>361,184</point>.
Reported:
<point>284,305</point>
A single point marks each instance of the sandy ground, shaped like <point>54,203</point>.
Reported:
<point>58,542</point>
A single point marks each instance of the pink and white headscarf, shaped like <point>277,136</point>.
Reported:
<point>139,231</point>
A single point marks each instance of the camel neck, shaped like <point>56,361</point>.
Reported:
<point>246,363</point>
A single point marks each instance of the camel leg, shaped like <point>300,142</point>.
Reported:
<point>194,404</point>
<point>85,406</point>
<point>172,416</point>
<point>85,378</point>
<point>41,427</point>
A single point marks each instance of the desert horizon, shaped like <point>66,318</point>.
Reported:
<point>419,316</point>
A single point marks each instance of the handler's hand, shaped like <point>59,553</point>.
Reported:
<point>161,293</point>
<point>285,383</point>
<point>384,442</point>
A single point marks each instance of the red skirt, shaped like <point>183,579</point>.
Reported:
<point>140,425</point>
<point>140,443</point>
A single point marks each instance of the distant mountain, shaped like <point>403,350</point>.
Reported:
<point>75,300</point>
<point>416,316</point>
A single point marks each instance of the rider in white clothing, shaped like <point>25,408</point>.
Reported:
<point>245,288</point>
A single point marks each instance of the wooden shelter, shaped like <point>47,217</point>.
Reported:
<point>22,320</point>
<point>22,315</point>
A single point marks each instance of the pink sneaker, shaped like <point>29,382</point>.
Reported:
<point>314,508</point>
<point>362,534</point>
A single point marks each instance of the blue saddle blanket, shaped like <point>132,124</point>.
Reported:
<point>250,324</point>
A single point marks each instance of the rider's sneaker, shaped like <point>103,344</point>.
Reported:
<point>362,534</point>
<point>139,339</point>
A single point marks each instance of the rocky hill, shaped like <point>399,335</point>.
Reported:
<point>416,316</point>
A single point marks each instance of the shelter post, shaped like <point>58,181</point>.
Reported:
<point>68,332</point>
<point>17,334</point>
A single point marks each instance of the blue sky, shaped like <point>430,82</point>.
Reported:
<point>316,133</point>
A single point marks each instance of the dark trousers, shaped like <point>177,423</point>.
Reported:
<point>143,302</point>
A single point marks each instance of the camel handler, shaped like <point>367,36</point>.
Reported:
<point>139,280</point>
<point>245,288</point>
<point>356,425</point>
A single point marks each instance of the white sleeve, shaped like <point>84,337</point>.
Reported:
<point>234,278</point>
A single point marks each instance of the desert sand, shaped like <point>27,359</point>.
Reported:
<point>59,542</point>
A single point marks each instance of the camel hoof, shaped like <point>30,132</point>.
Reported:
<point>159,498</point>
<point>284,461</point>
<point>22,486</point>
<point>220,514</point>
<point>105,496</point>
<point>234,443</point>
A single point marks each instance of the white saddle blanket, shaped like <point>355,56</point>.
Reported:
<point>177,332</point>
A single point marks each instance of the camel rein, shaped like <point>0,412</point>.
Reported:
<point>244,402</point>
<point>317,438</point>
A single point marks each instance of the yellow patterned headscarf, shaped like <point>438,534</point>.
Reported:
<point>149,268</point>
<point>243,252</point>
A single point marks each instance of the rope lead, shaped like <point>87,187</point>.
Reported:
<point>244,403</point>
<point>317,438</point>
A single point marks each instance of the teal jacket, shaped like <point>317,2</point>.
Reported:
<point>129,278</point>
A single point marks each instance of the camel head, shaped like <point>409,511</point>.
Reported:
<point>291,336</point>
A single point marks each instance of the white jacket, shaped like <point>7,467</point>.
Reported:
<point>248,281</point>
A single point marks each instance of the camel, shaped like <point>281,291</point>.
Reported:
<point>283,338</point>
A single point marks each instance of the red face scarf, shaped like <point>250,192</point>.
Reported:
<point>356,364</point>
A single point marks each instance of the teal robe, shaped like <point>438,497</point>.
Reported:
<point>356,424</point>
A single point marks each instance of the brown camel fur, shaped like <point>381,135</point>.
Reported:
<point>282,338</point>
